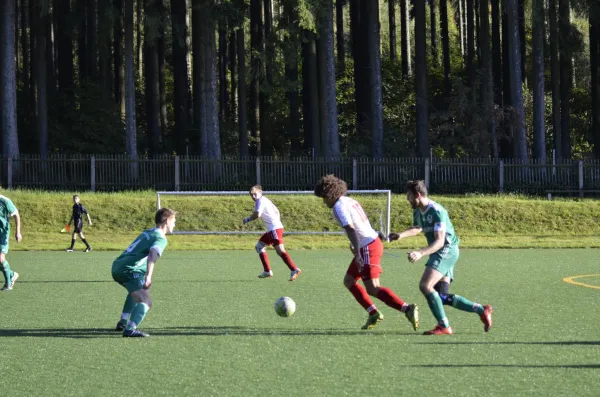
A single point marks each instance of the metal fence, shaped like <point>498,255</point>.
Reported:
<point>187,173</point>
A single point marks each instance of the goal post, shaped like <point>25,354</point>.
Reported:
<point>377,209</point>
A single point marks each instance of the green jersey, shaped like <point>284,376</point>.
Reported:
<point>7,210</point>
<point>135,258</point>
<point>435,218</point>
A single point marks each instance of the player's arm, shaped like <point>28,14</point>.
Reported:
<point>437,244</point>
<point>89,219</point>
<point>17,226</point>
<point>410,232</point>
<point>153,256</point>
<point>71,219</point>
<point>255,215</point>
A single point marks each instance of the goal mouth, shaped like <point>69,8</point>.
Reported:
<point>302,213</point>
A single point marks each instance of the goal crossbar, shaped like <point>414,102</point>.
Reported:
<point>384,223</point>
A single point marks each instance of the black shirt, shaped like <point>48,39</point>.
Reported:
<point>78,210</point>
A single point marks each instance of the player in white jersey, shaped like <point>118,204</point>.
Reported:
<point>367,249</point>
<point>268,212</point>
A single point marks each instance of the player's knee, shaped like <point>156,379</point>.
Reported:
<point>349,282</point>
<point>442,287</point>
<point>260,247</point>
<point>280,250</point>
<point>425,288</point>
<point>372,290</point>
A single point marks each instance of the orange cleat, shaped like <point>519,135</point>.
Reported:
<point>294,275</point>
<point>486,317</point>
<point>439,330</point>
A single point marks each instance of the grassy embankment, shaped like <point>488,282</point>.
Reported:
<point>481,221</point>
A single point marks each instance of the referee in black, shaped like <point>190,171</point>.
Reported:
<point>77,218</point>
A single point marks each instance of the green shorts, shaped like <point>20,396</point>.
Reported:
<point>4,244</point>
<point>131,281</point>
<point>444,260</point>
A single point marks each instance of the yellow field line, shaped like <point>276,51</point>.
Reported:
<point>571,279</point>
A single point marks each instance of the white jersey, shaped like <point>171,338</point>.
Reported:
<point>349,211</point>
<point>268,212</point>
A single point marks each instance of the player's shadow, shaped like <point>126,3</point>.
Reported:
<point>78,333</point>
<point>532,366</point>
<point>63,281</point>
<point>560,342</point>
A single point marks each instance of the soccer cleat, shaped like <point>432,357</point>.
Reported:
<point>486,317</point>
<point>372,320</point>
<point>295,274</point>
<point>120,327</point>
<point>5,288</point>
<point>439,330</point>
<point>13,279</point>
<point>266,274</point>
<point>134,333</point>
<point>88,249</point>
<point>412,314</point>
<point>69,250</point>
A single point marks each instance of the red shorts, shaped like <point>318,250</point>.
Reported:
<point>274,237</point>
<point>371,256</point>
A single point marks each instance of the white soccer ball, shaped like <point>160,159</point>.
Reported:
<point>285,306</point>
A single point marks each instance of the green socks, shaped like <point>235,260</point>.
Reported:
<point>128,307</point>
<point>137,315</point>
<point>466,305</point>
<point>437,308</point>
<point>5,267</point>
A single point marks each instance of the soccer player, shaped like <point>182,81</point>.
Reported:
<point>77,219</point>
<point>268,212</point>
<point>432,219</point>
<point>367,249</point>
<point>8,210</point>
<point>133,269</point>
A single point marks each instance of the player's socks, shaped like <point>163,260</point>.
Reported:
<point>85,242</point>
<point>264,258</point>
<point>361,296</point>
<point>388,297</point>
<point>287,259</point>
<point>5,267</point>
<point>437,308</point>
<point>462,303</point>
<point>128,307</point>
<point>72,244</point>
<point>137,315</point>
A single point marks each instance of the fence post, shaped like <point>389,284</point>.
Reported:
<point>354,175</point>
<point>258,170</point>
<point>177,171</point>
<point>580,166</point>
<point>93,174</point>
<point>9,167</point>
<point>427,172</point>
<point>501,175</point>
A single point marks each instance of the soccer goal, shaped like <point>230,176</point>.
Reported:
<point>301,211</point>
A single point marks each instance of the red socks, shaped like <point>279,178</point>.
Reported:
<point>288,261</point>
<point>388,297</point>
<point>264,258</point>
<point>361,296</point>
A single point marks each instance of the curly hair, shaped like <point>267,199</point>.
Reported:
<point>331,187</point>
<point>416,187</point>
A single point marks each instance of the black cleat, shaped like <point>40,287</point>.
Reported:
<point>88,249</point>
<point>134,333</point>
<point>120,327</point>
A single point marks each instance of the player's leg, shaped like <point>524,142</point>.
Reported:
<point>73,238</point>
<point>128,307</point>
<point>261,249</point>
<point>82,237</point>
<point>362,297</point>
<point>430,278</point>
<point>462,303</point>
<point>287,259</point>
<point>9,276</point>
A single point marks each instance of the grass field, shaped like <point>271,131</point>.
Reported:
<point>215,333</point>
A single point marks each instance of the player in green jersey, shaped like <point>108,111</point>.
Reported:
<point>432,219</point>
<point>133,270</point>
<point>8,210</point>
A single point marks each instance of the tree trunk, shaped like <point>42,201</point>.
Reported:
<point>488,134</point>
<point>291,73</point>
<point>564,49</point>
<point>374,76</point>
<point>267,138</point>
<point>522,38</point>
<point>138,38</point>
<point>151,83</point>
<point>471,47</point>
<point>130,128</point>
<point>8,80</point>
<point>555,78</point>
<point>82,50</point>
<point>594,21</point>
<point>223,97</point>
<point>359,54</point>
<point>433,29</point>
<point>256,47</point>
<point>180,73</point>
<point>160,52</point>
<point>232,78</point>
<point>327,94</point>
<point>118,65</point>
<point>459,26</point>
<point>242,107</point>
<point>405,39</point>
<point>210,142</point>
<point>422,147</point>
<point>25,47</point>
<point>104,45</point>
<point>310,96</point>
<point>496,54</point>
<point>50,66</point>
<point>514,57</point>
<point>40,72</point>
<point>339,26</point>
<point>445,46</point>
<point>507,147</point>
<point>92,40</point>
<point>65,46</point>
<point>392,29</point>
<point>537,77</point>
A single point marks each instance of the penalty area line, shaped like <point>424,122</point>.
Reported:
<point>571,280</point>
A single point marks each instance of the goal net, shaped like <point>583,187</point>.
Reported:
<point>301,211</point>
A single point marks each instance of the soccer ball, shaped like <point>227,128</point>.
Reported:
<point>285,306</point>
